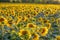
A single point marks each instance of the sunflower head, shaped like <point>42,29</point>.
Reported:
<point>47,12</point>
<point>24,33</point>
<point>1,19</point>
<point>13,13</point>
<point>24,18</point>
<point>31,25</point>
<point>58,21</point>
<point>40,19</point>
<point>46,21</point>
<point>19,19</point>
<point>43,31</point>
<point>28,15</point>
<point>58,37</point>
<point>52,19</point>
<point>34,14</point>
<point>48,25</point>
<point>35,36</point>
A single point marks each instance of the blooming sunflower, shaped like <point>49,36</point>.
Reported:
<point>40,19</point>
<point>2,11</point>
<point>28,15</point>
<point>24,18</point>
<point>47,12</point>
<point>48,25</point>
<point>43,31</point>
<point>46,21</point>
<point>54,10</point>
<point>19,19</point>
<point>13,13</point>
<point>1,19</point>
<point>34,14</point>
<point>58,21</point>
<point>31,25</point>
<point>23,32</point>
<point>35,36</point>
<point>58,37</point>
<point>7,23</point>
<point>52,19</point>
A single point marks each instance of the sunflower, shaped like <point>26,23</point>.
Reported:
<point>58,21</point>
<point>19,19</point>
<point>46,21</point>
<point>47,12</point>
<point>23,32</point>
<point>58,37</point>
<point>13,12</point>
<point>48,25</point>
<point>35,36</point>
<point>43,31</point>
<point>31,25</point>
<point>6,23</point>
<point>24,18</point>
<point>28,15</point>
<point>34,14</point>
<point>52,19</point>
<point>40,19</point>
<point>1,19</point>
<point>2,11</point>
<point>54,11</point>
<point>36,9</point>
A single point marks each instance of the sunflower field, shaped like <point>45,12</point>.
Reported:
<point>29,21</point>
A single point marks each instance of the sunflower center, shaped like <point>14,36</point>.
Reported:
<point>30,25</point>
<point>43,30</point>
<point>1,19</point>
<point>24,32</point>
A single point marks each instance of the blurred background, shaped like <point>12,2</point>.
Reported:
<point>32,1</point>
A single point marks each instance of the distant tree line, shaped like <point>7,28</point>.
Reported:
<point>31,1</point>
